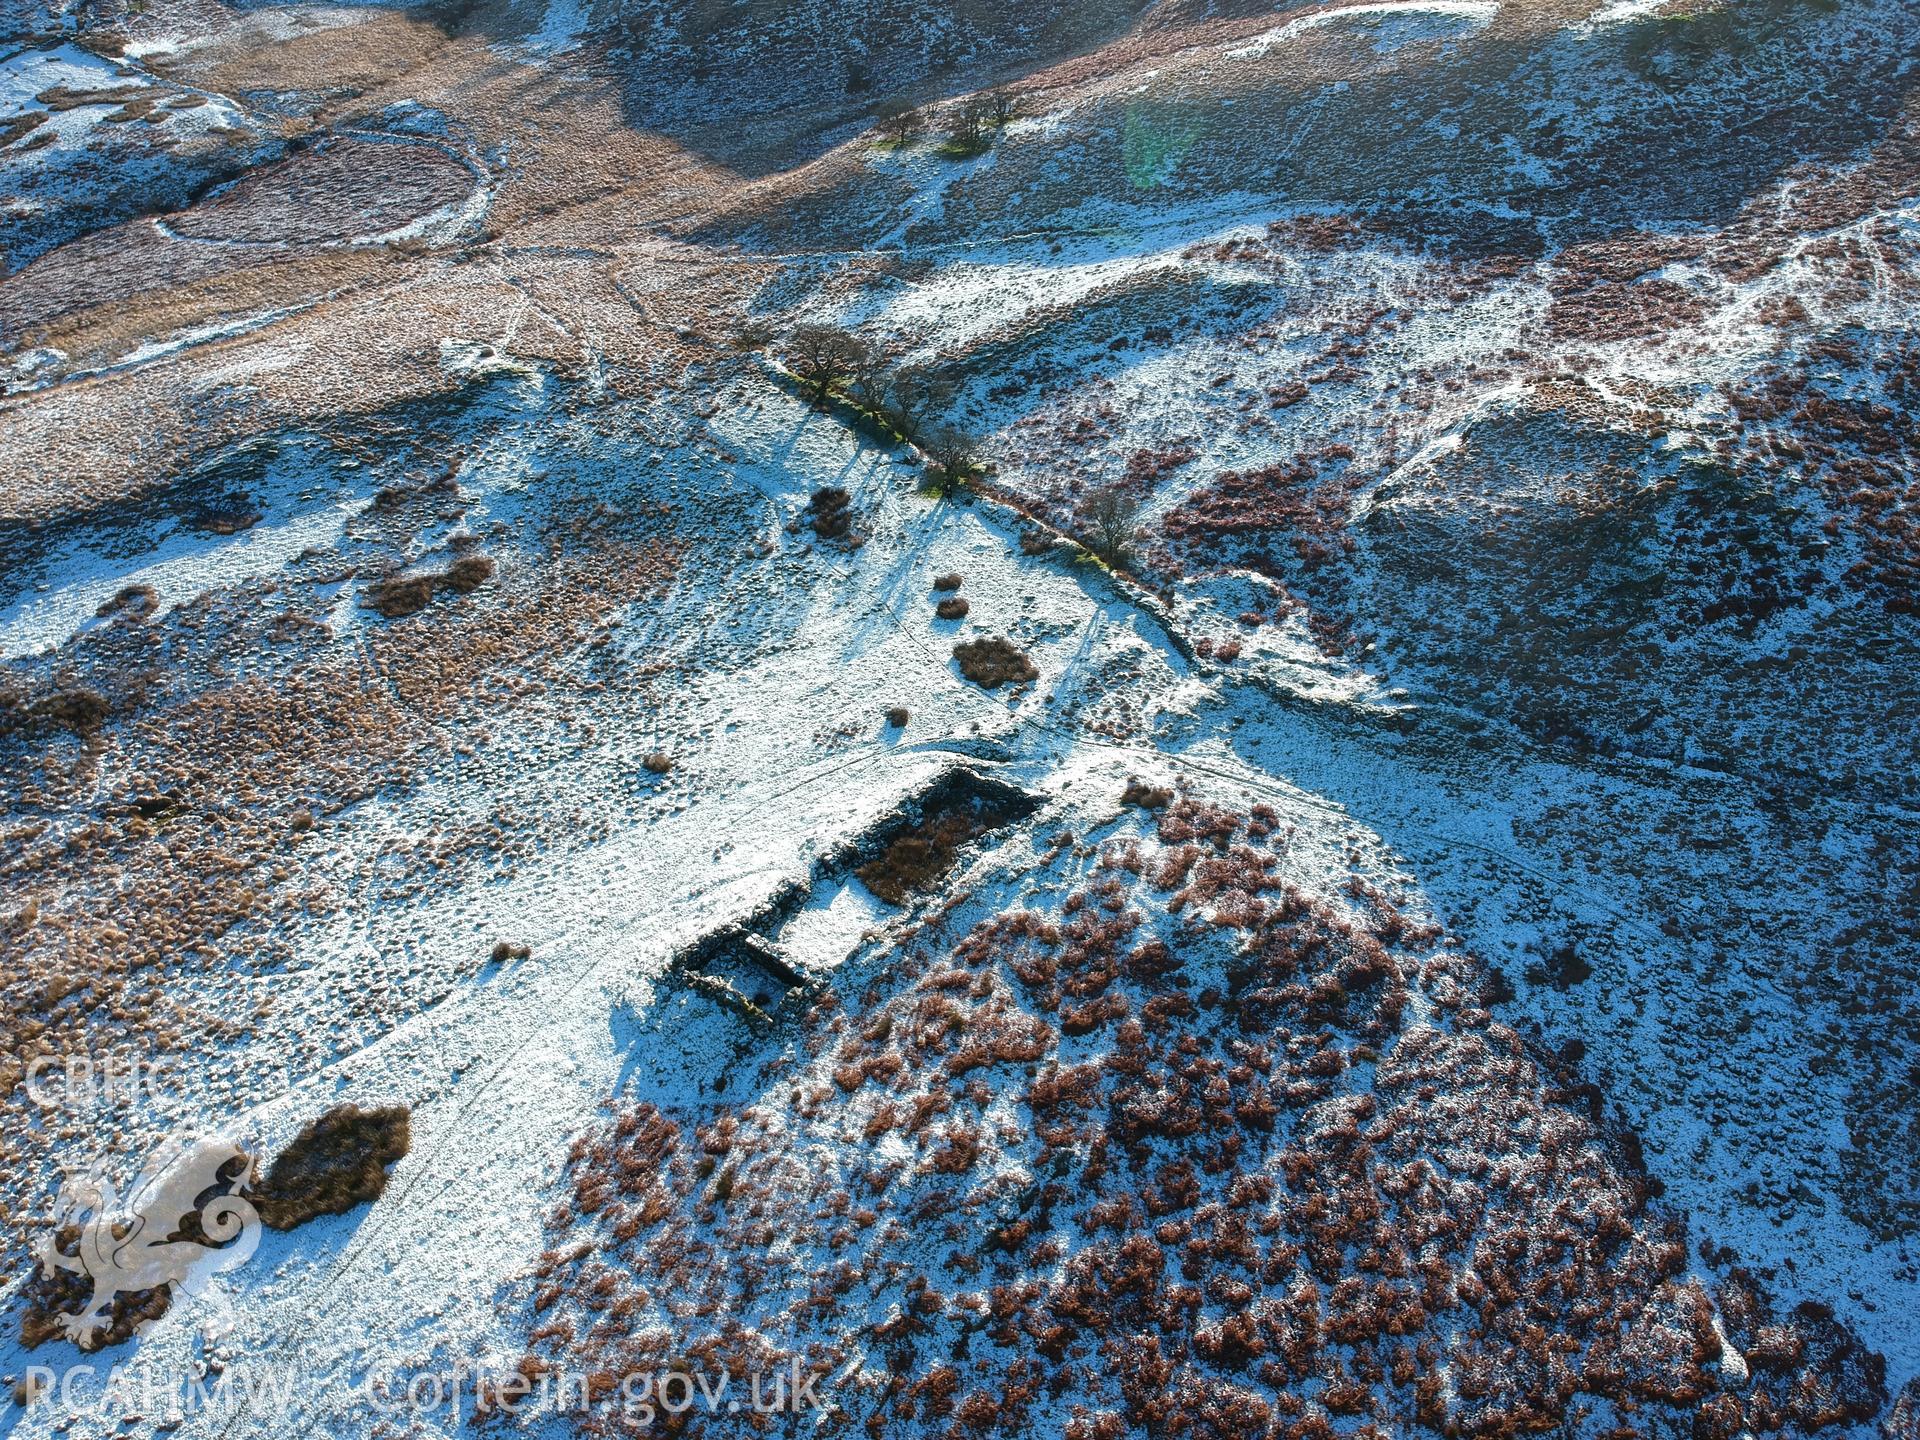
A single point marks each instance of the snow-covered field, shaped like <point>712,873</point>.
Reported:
<point>1528,627</point>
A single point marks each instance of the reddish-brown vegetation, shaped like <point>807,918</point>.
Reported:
<point>991,662</point>
<point>1862,451</point>
<point>1303,504</point>
<point>830,513</point>
<point>1147,797</point>
<point>336,1162</point>
<point>920,856</point>
<point>403,595</point>
<point>1621,311</point>
<point>52,1299</point>
<point>399,596</point>
<point>1241,1191</point>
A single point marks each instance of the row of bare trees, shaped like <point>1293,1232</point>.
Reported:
<point>830,360</point>
<point>968,123</point>
<point>907,399</point>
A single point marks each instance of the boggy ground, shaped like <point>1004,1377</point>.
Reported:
<point>1545,502</point>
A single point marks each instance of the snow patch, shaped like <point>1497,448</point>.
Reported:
<point>1456,17</point>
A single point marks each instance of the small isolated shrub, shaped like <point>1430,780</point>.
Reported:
<point>337,1162</point>
<point>75,708</point>
<point>831,517</point>
<point>399,596</point>
<point>991,662</point>
<point>659,762</point>
<point>898,717</point>
<point>469,573</point>
<point>1147,797</point>
<point>135,601</point>
<point>402,596</point>
<point>60,1298</point>
<point>52,1300</point>
<point>948,582</point>
<point>953,608</point>
<point>229,517</point>
<point>504,951</point>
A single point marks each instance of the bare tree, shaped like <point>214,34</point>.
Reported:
<point>1110,521</point>
<point>900,122</point>
<point>914,398</point>
<point>753,335</point>
<point>869,375</point>
<point>967,125</point>
<point>1000,104</point>
<point>955,456</point>
<point>821,355</point>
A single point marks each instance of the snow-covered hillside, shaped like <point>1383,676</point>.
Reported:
<point>1420,938</point>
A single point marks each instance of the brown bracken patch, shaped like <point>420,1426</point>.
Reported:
<point>1173,1154</point>
<point>409,594</point>
<point>991,662</point>
<point>402,595</point>
<point>75,708</point>
<point>832,519</point>
<point>1147,797</point>
<point>914,861</point>
<point>337,1162</point>
<point>469,573</point>
<point>51,1299</point>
